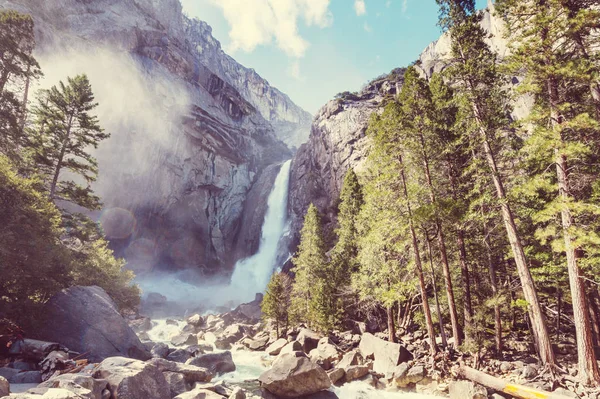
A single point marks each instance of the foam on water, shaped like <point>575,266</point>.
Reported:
<point>163,332</point>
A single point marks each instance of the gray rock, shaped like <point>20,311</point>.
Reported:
<point>132,379</point>
<point>356,372</point>
<point>77,383</point>
<point>231,335</point>
<point>184,339</point>
<point>177,383</point>
<point>86,320</point>
<point>160,350</point>
<point>143,324</point>
<point>26,377</point>
<point>529,371</point>
<point>195,320</point>
<point>192,374</point>
<point>351,358</point>
<point>308,339</point>
<point>4,387</point>
<point>275,348</point>
<point>401,375</point>
<point>293,375</point>
<point>336,374</point>
<point>387,354</point>
<point>291,347</point>
<point>8,372</point>
<point>217,363</point>
<point>179,355</point>
<point>238,393</point>
<point>325,354</point>
<point>466,390</point>
<point>199,393</point>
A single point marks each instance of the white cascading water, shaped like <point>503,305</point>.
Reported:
<point>251,275</point>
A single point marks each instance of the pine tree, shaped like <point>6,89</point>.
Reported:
<point>277,301</point>
<point>64,131</point>
<point>474,71</point>
<point>548,47</point>
<point>17,68</point>
<point>314,295</point>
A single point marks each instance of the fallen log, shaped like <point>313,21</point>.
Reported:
<point>499,385</point>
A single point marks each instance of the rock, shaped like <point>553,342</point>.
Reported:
<point>75,383</point>
<point>143,324</point>
<point>416,374</point>
<point>325,354</point>
<point>293,375</point>
<point>184,339</point>
<point>529,372</point>
<point>231,335</point>
<point>351,358</point>
<point>256,344</point>
<point>160,350</point>
<point>176,382</point>
<point>217,363</point>
<point>291,347</point>
<point>308,339</point>
<point>275,348</point>
<point>199,393</point>
<point>8,373</point>
<point>179,355</point>
<point>86,320</point>
<point>4,387</point>
<point>401,375</point>
<point>192,374</point>
<point>466,390</point>
<point>238,393</point>
<point>387,355</point>
<point>195,320</point>
<point>564,392</point>
<point>356,372</point>
<point>132,379</point>
<point>26,377</point>
<point>336,374</point>
<point>505,367</point>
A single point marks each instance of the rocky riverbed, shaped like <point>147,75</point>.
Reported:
<point>233,355</point>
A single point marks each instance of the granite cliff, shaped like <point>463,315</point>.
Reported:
<point>192,131</point>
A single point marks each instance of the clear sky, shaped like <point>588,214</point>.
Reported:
<point>314,49</point>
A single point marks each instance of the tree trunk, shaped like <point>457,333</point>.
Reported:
<point>464,271</point>
<point>435,295</point>
<point>559,311</point>
<point>456,330</point>
<point>419,266</point>
<point>594,314</point>
<point>24,106</point>
<point>495,290</point>
<point>390,322</point>
<point>60,160</point>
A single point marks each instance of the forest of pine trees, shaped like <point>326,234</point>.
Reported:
<point>492,223</point>
<point>45,138</point>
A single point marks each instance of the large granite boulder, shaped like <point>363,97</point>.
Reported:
<point>387,354</point>
<point>4,387</point>
<point>78,383</point>
<point>308,339</point>
<point>293,375</point>
<point>466,390</point>
<point>132,379</point>
<point>191,373</point>
<point>86,320</point>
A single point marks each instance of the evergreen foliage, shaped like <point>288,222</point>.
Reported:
<point>277,301</point>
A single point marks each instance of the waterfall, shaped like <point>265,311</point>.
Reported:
<point>251,275</point>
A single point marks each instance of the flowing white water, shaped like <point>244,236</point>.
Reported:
<point>251,275</point>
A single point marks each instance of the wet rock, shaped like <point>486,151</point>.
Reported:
<point>216,363</point>
<point>171,322</point>
<point>308,339</point>
<point>132,379</point>
<point>356,372</point>
<point>466,390</point>
<point>387,355</point>
<point>86,320</point>
<point>179,355</point>
<point>191,373</point>
<point>4,387</point>
<point>143,324</point>
<point>160,350</point>
<point>275,348</point>
<point>195,320</point>
<point>293,375</point>
<point>184,339</point>
<point>336,374</point>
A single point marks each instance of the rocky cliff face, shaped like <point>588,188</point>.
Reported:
<point>337,141</point>
<point>191,129</point>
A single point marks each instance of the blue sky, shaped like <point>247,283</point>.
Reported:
<point>313,49</point>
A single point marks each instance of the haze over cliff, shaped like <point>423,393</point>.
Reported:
<point>192,130</point>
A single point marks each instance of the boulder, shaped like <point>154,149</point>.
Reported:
<point>53,393</point>
<point>195,320</point>
<point>238,393</point>
<point>179,355</point>
<point>308,339</point>
<point>26,377</point>
<point>4,387</point>
<point>86,320</point>
<point>275,348</point>
<point>177,383</point>
<point>293,375</point>
<point>231,335</point>
<point>256,343</point>
<point>199,393</point>
<point>325,354</point>
<point>529,371</point>
<point>191,373</point>
<point>387,355</point>
<point>77,382</point>
<point>143,324</point>
<point>351,358</point>
<point>8,373</point>
<point>216,363</point>
<point>336,374</point>
<point>356,372</point>
<point>132,379</point>
<point>184,339</point>
<point>291,347</point>
<point>401,375</point>
<point>160,350</point>
<point>466,390</point>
